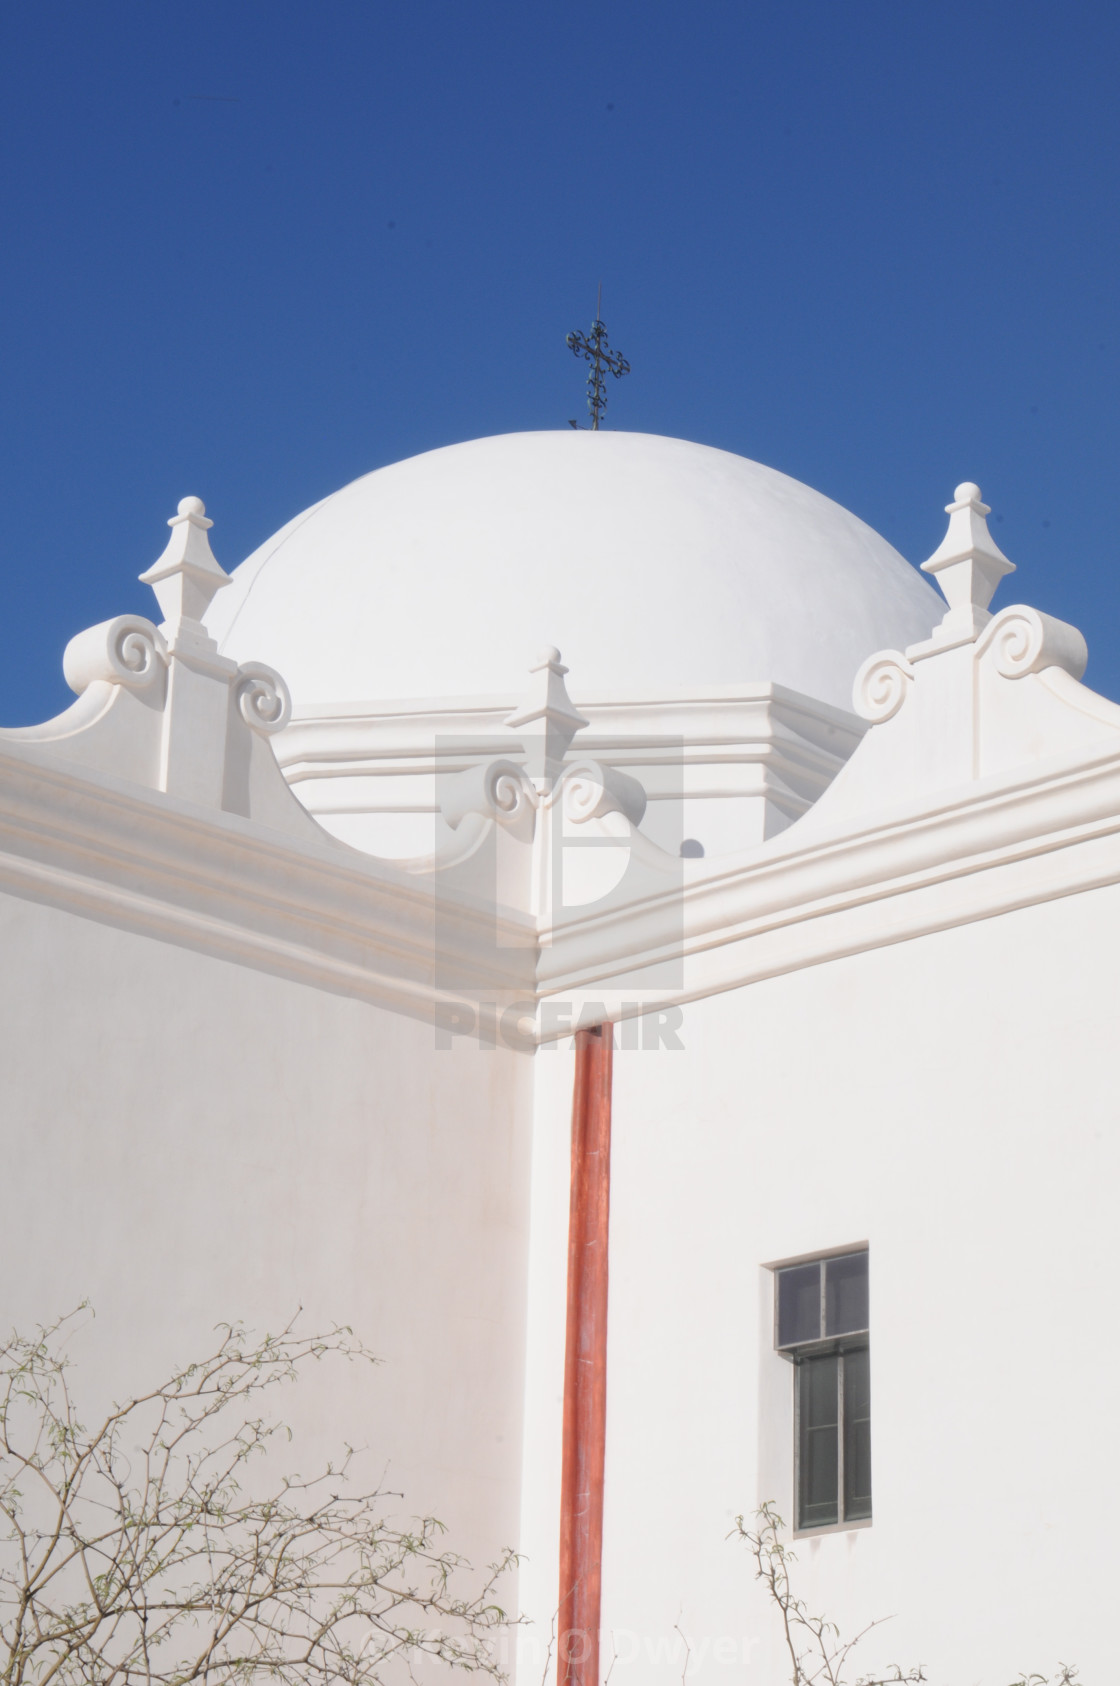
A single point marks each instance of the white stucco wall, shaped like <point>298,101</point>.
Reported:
<point>187,1140</point>
<point>951,1101</point>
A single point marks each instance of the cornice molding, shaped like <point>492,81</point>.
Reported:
<point>324,914</point>
<point>1000,844</point>
<point>332,918</point>
<point>988,781</point>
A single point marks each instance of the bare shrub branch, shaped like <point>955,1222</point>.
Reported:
<point>132,1553</point>
<point>817,1655</point>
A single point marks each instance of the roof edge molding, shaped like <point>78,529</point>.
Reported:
<point>988,779</point>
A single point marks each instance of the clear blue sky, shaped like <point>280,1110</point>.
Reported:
<point>255,248</point>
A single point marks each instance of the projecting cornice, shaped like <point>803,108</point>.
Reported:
<point>989,780</point>
<point>755,757</point>
<point>1004,843</point>
<point>329,917</point>
<point>323,915</point>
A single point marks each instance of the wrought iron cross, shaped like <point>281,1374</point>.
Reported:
<point>596,349</point>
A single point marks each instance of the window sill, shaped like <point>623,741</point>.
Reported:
<point>831,1528</point>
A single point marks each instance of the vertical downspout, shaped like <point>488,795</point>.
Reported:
<point>585,1363</point>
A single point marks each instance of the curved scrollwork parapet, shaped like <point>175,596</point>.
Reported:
<point>128,650</point>
<point>498,790</point>
<point>881,686</point>
<point>263,698</point>
<point>509,794</point>
<point>589,790</point>
<point>1020,640</point>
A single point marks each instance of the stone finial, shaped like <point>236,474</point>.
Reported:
<point>188,575</point>
<point>549,703</point>
<point>968,564</point>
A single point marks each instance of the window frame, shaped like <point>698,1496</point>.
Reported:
<point>799,1354</point>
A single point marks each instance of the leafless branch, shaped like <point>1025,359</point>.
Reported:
<point>817,1654</point>
<point>687,1647</point>
<point>132,1555</point>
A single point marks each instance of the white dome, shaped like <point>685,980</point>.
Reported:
<point>654,565</point>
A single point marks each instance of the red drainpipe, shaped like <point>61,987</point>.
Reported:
<point>585,1363</point>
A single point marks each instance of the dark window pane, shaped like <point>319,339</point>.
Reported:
<point>799,1304</point>
<point>845,1294</point>
<point>818,1462</point>
<point>857,1436</point>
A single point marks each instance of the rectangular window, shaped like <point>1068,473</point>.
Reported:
<point>821,1325</point>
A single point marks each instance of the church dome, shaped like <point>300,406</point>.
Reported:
<point>654,564</point>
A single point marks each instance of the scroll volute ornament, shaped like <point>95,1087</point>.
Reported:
<point>1022,640</point>
<point>590,791</point>
<point>882,685</point>
<point>127,650</point>
<point>968,566</point>
<point>513,793</point>
<point>263,698</point>
<point>497,790</point>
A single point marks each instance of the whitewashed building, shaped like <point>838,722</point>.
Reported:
<point>291,970</point>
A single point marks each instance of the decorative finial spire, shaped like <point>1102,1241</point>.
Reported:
<point>548,701</point>
<point>968,563</point>
<point>596,349</point>
<point>188,575</point>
